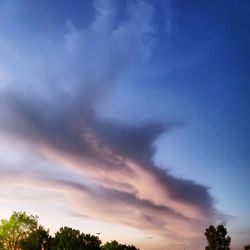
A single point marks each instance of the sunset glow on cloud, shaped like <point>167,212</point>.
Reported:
<point>72,140</point>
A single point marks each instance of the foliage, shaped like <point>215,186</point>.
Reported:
<point>91,242</point>
<point>247,247</point>
<point>114,245</point>
<point>71,239</point>
<point>39,239</point>
<point>16,229</point>
<point>21,232</point>
<point>217,238</point>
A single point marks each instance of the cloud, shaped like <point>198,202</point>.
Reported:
<point>58,118</point>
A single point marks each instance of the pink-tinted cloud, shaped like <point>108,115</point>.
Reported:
<point>117,179</point>
<point>123,184</point>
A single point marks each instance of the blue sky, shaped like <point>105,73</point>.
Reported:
<point>152,93</point>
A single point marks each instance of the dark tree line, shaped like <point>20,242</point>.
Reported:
<point>22,232</point>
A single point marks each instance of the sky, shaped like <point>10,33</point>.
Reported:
<point>129,118</point>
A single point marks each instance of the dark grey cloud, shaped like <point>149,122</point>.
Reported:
<point>136,142</point>
<point>187,190</point>
<point>106,197</point>
<point>69,125</point>
<point>124,198</point>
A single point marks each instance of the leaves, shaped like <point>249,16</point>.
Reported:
<point>17,228</point>
<point>22,232</point>
<point>114,245</point>
<point>39,239</point>
<point>217,238</point>
<point>68,238</point>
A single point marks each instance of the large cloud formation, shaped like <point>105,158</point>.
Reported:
<point>58,117</point>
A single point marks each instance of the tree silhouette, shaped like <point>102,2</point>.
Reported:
<point>71,239</point>
<point>217,238</point>
<point>16,229</point>
<point>91,242</point>
<point>247,247</point>
<point>21,232</point>
<point>114,245</point>
<point>37,240</point>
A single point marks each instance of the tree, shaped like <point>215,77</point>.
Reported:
<point>130,247</point>
<point>16,229</point>
<point>217,238</point>
<point>247,247</point>
<point>91,242</point>
<point>114,245</point>
<point>67,238</point>
<point>71,239</point>
<point>37,240</point>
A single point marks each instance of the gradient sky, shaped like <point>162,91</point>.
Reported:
<point>129,118</point>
